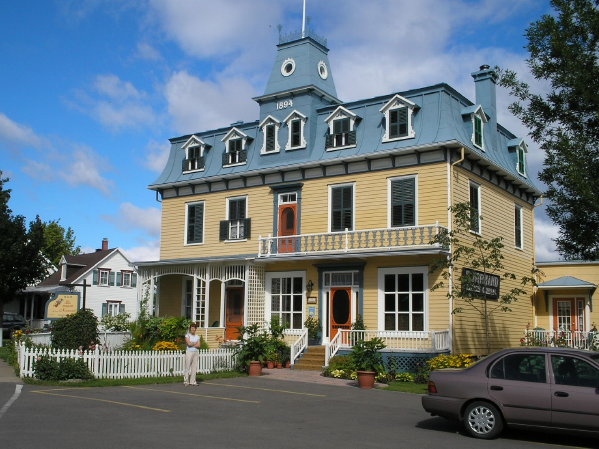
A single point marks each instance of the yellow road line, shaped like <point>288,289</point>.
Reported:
<point>265,389</point>
<point>101,400</point>
<point>193,394</point>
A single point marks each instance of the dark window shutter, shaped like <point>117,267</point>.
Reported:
<point>185,164</point>
<point>518,227</point>
<point>342,208</point>
<point>95,277</point>
<point>121,308</point>
<point>195,223</point>
<point>224,230</point>
<point>111,279</point>
<point>270,138</point>
<point>403,202</point>
<point>329,141</point>
<point>475,208</point>
<point>133,280</point>
<point>119,279</point>
<point>248,227</point>
<point>104,309</point>
<point>351,137</point>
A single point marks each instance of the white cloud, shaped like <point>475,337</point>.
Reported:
<point>197,104</point>
<point>149,251</point>
<point>83,168</point>
<point>156,155</point>
<point>133,217</point>
<point>545,232</point>
<point>40,171</point>
<point>147,52</point>
<point>15,133</point>
<point>113,87</point>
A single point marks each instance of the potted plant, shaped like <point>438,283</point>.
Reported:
<point>367,360</point>
<point>252,349</point>
<point>313,326</point>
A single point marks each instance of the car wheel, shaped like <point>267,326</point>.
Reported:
<point>483,420</point>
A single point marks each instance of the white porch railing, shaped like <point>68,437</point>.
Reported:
<point>349,241</point>
<point>568,339</point>
<point>395,341</point>
<point>131,364</point>
<point>298,346</point>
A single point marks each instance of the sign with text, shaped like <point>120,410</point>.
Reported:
<point>480,285</point>
<point>62,304</point>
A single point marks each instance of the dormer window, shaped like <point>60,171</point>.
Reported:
<point>478,118</point>
<point>477,137</point>
<point>521,149</point>
<point>270,131</point>
<point>399,112</point>
<point>194,154</point>
<point>235,148</point>
<point>342,132</point>
<point>295,122</point>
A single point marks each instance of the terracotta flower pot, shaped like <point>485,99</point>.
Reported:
<point>255,369</point>
<point>279,365</point>
<point>270,364</point>
<point>288,364</point>
<point>366,379</point>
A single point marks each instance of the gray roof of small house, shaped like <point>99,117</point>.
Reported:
<point>566,282</point>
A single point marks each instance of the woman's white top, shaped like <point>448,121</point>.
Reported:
<point>193,339</point>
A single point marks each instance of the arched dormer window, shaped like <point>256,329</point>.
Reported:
<point>521,149</point>
<point>236,142</point>
<point>270,131</point>
<point>399,113</point>
<point>194,154</point>
<point>478,118</point>
<point>342,129</point>
<point>295,122</point>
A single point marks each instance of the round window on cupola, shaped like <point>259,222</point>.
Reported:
<point>323,71</point>
<point>288,67</point>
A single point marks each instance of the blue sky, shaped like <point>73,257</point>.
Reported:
<point>92,89</point>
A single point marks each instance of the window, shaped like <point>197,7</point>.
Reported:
<point>113,308</point>
<point>125,278</point>
<point>235,147</point>
<point>402,202</point>
<point>399,112</point>
<point>296,133</point>
<point>237,225</point>
<point>402,299</point>
<point>195,223</point>
<point>342,133</point>
<point>478,131</point>
<point>194,154</point>
<point>286,298</point>
<point>518,231</point>
<point>188,299</point>
<point>342,208</point>
<point>521,367</point>
<point>270,128</point>
<point>574,372</point>
<point>104,277</point>
<point>521,166</point>
<point>475,208</point>
<point>296,122</point>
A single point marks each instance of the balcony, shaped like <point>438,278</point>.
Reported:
<point>234,157</point>
<point>193,164</point>
<point>362,241</point>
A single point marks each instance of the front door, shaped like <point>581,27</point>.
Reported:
<point>568,314</point>
<point>340,309</point>
<point>287,227</point>
<point>233,312</point>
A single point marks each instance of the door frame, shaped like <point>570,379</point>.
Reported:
<point>551,312</point>
<point>350,294</point>
<point>243,302</point>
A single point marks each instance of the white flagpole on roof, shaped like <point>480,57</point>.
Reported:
<point>304,21</point>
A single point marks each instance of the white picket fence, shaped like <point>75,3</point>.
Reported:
<point>110,340</point>
<point>131,364</point>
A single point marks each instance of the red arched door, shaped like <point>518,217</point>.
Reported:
<point>233,312</point>
<point>340,309</point>
<point>287,226</point>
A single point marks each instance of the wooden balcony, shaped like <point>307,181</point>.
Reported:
<point>361,241</point>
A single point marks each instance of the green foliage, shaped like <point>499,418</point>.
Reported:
<point>276,329</point>
<point>58,242</point>
<point>46,368</point>
<point>365,355</point>
<point>313,326</point>
<point>358,325</point>
<point>173,328</point>
<point>404,377</point>
<point>340,366</point>
<point>471,250</point>
<point>116,323</point>
<point>77,330</point>
<point>564,120</point>
<point>254,344</point>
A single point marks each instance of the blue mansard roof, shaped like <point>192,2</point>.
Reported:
<point>441,119</point>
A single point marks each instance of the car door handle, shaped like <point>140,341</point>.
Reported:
<point>561,394</point>
<point>496,388</point>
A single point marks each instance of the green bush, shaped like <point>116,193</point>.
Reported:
<point>254,344</point>
<point>116,323</point>
<point>365,355</point>
<point>77,330</point>
<point>173,328</point>
<point>46,368</point>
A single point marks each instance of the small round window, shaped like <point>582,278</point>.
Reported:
<point>288,67</point>
<point>322,70</point>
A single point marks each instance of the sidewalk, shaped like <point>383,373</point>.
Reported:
<point>7,373</point>
<point>306,376</point>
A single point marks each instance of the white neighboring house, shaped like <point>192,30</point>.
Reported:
<point>110,277</point>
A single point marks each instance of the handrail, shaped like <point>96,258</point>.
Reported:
<point>332,347</point>
<point>557,338</point>
<point>298,346</point>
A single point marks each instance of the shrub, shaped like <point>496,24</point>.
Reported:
<point>365,355</point>
<point>173,328</point>
<point>254,344</point>
<point>451,361</point>
<point>78,329</point>
<point>404,377</point>
<point>116,323</point>
<point>46,368</point>
<point>166,346</point>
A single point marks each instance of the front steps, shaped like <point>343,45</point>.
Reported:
<point>311,360</point>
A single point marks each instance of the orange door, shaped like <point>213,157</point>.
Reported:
<point>233,312</point>
<point>340,309</point>
<point>287,226</point>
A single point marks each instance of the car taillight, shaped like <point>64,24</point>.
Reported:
<point>432,388</point>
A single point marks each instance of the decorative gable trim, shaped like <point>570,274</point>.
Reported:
<point>234,133</point>
<point>194,154</point>
<point>274,139</point>
<point>295,141</point>
<point>345,135</point>
<point>237,156</point>
<point>340,112</point>
<point>398,101</point>
<point>399,108</point>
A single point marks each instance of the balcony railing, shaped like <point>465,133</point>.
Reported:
<point>350,241</point>
<point>341,139</point>
<point>235,157</point>
<point>562,339</point>
<point>193,164</point>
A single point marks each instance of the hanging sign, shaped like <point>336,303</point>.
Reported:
<point>480,285</point>
<point>62,304</point>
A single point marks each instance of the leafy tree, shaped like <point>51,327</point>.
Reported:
<point>21,259</point>
<point>564,121</point>
<point>58,241</point>
<point>469,250</point>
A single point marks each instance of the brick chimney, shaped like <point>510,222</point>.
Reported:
<point>104,244</point>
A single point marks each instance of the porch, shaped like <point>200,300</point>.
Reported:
<point>562,339</point>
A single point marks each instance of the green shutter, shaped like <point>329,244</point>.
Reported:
<point>119,279</point>
<point>95,277</point>
<point>224,230</point>
<point>133,280</point>
<point>248,228</point>
<point>111,278</point>
<point>104,309</point>
<point>121,308</point>
<point>403,202</point>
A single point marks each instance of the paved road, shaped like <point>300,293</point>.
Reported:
<point>235,413</point>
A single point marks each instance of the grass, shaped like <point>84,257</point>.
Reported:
<point>406,387</point>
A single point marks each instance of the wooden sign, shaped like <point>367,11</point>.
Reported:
<point>62,304</point>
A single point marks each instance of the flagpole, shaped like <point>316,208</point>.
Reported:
<point>304,21</point>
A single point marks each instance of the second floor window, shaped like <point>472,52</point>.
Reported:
<point>237,225</point>
<point>475,208</point>
<point>478,131</point>
<point>518,234</point>
<point>403,202</point>
<point>104,277</point>
<point>342,208</point>
<point>195,223</point>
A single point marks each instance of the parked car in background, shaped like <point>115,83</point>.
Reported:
<point>12,322</point>
<point>541,387</point>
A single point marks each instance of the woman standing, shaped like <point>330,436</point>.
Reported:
<point>191,355</point>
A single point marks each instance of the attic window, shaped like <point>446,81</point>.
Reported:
<point>475,118</point>
<point>342,132</point>
<point>194,154</point>
<point>477,137</point>
<point>521,164</point>
<point>399,113</point>
<point>235,147</point>
<point>270,131</point>
<point>296,122</point>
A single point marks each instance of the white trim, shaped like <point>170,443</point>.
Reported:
<point>262,126</point>
<point>193,203</point>
<point>268,276</point>
<point>398,102</point>
<point>323,70</point>
<point>302,118</point>
<point>520,210</point>
<point>234,133</point>
<point>340,112</point>
<point>193,141</point>
<point>389,199</point>
<point>524,149</point>
<point>481,116</point>
<point>381,292</point>
<point>480,205</point>
<point>330,206</point>
<point>285,62</point>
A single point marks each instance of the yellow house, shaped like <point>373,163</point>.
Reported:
<point>327,209</point>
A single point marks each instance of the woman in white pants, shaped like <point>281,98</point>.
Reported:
<point>191,355</point>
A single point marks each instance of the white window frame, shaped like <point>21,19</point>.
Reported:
<point>268,287</point>
<point>330,207</point>
<point>110,305</point>
<point>519,209</point>
<point>287,198</point>
<point>479,114</point>
<point>233,134</point>
<point>270,120</point>
<point>302,118</point>
<point>390,198</point>
<point>238,197</point>
<point>381,293</point>
<point>521,149</point>
<point>398,102</point>
<point>194,142</point>
<point>194,203</point>
<point>100,283</point>
<point>339,114</point>
<point>128,273</point>
<point>480,205</point>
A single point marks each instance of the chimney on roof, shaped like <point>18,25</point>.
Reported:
<point>104,244</point>
<point>485,80</point>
